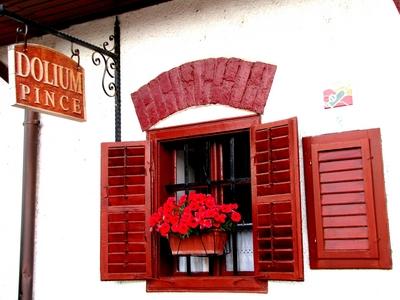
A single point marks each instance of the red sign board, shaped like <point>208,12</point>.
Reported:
<point>46,80</point>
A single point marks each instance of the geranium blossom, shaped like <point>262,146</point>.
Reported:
<point>193,214</point>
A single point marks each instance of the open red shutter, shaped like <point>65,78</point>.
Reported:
<point>346,229</point>
<point>276,201</point>
<point>125,240</point>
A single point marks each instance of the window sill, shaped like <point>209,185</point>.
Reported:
<point>243,284</point>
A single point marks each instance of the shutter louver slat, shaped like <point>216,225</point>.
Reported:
<point>276,213</point>
<point>125,250</point>
<point>343,220</point>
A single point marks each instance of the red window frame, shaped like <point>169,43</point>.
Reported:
<point>274,261</point>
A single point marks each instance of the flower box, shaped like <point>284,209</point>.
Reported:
<point>208,243</point>
<point>195,224</point>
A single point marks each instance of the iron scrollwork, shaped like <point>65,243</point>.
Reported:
<point>108,82</point>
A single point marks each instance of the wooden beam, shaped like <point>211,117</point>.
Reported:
<point>3,71</point>
<point>397,3</point>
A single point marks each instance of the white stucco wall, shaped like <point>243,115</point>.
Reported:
<point>316,44</point>
<point>11,150</point>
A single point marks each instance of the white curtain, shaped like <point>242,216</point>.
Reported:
<point>197,264</point>
<point>244,252</point>
<point>244,255</point>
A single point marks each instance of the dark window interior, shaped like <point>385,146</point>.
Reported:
<point>217,165</point>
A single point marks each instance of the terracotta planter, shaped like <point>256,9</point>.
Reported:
<point>210,243</point>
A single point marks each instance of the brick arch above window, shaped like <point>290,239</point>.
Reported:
<point>228,81</point>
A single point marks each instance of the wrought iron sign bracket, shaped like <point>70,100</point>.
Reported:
<point>107,54</point>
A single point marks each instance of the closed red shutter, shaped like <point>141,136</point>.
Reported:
<point>276,201</point>
<point>344,187</point>
<point>125,240</point>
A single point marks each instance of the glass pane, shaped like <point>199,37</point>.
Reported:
<point>197,167</point>
<point>180,166</point>
<point>241,195</point>
<point>236,155</point>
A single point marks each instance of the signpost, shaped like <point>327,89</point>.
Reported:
<point>47,81</point>
<point>67,101</point>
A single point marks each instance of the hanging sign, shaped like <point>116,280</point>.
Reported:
<point>46,80</point>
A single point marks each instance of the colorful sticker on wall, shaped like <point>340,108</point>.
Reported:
<point>338,97</point>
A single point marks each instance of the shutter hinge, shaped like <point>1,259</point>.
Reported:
<point>151,168</point>
<point>106,191</point>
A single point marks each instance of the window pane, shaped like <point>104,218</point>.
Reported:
<point>241,195</point>
<point>180,166</point>
<point>218,164</point>
<point>193,161</point>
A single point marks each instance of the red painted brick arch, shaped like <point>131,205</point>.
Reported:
<point>234,82</point>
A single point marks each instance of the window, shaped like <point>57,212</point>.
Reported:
<point>219,165</point>
<point>236,160</point>
<point>346,204</point>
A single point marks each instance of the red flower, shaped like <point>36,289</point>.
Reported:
<point>220,218</point>
<point>183,228</point>
<point>193,214</point>
<point>154,219</point>
<point>236,217</point>
<point>172,219</point>
<point>175,228</point>
<point>210,213</point>
<point>226,208</point>
<point>182,200</point>
<point>193,223</point>
<point>210,201</point>
<point>164,229</point>
<point>206,223</point>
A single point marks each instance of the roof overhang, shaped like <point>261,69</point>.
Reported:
<point>60,14</point>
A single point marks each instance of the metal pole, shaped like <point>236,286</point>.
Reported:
<point>29,179</point>
<point>117,96</point>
